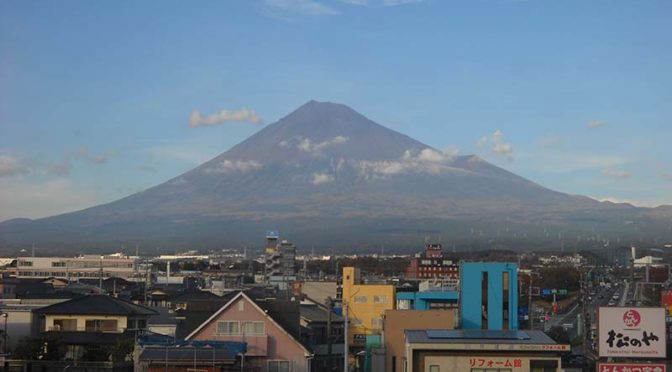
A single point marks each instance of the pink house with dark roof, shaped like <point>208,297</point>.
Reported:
<point>269,346</point>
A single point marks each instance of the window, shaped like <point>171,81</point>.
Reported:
<point>376,323</point>
<point>241,305</point>
<point>25,263</point>
<point>137,324</point>
<point>360,299</point>
<point>543,365</point>
<point>379,299</point>
<point>426,262</point>
<point>58,264</point>
<point>101,325</point>
<point>254,328</point>
<point>442,305</point>
<point>403,304</point>
<point>280,366</point>
<point>65,324</point>
<point>434,368</point>
<point>228,328</point>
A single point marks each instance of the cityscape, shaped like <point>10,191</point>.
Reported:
<point>335,185</point>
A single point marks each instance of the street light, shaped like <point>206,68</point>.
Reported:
<point>4,344</point>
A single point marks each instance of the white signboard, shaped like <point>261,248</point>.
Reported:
<point>632,332</point>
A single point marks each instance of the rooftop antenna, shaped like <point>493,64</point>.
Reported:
<point>32,254</point>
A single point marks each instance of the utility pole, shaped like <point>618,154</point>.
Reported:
<point>346,355</point>
<point>530,311</point>
<point>100,275</point>
<point>330,341</point>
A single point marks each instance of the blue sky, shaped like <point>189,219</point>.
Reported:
<point>96,96</point>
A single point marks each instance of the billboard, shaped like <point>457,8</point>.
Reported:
<point>631,367</point>
<point>666,301</point>
<point>631,332</point>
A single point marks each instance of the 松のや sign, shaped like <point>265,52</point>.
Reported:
<point>632,332</point>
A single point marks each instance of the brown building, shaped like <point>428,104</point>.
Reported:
<point>481,350</point>
<point>432,264</point>
<point>396,322</point>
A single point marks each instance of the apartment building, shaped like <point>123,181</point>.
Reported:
<point>74,268</point>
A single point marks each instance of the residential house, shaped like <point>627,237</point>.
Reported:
<point>322,330</point>
<point>91,322</point>
<point>273,344</point>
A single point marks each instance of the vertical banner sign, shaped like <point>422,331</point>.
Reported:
<point>632,332</point>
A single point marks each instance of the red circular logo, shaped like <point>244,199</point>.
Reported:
<point>631,318</point>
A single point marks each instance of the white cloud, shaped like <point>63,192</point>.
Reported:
<point>322,178</point>
<point>228,166</point>
<point>21,198</point>
<point>426,161</point>
<point>277,8</point>
<point>196,119</point>
<point>596,124</point>
<point>503,149</point>
<point>612,199</point>
<point>615,173</point>
<point>495,142</point>
<point>307,145</point>
<point>10,166</point>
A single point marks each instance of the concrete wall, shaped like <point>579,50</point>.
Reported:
<point>19,325</point>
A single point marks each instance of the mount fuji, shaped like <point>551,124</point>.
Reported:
<point>328,177</point>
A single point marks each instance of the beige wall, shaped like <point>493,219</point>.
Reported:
<point>319,291</point>
<point>397,321</point>
<point>81,321</point>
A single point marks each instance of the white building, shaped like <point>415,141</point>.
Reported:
<point>82,267</point>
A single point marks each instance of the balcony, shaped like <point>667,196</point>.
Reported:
<point>256,345</point>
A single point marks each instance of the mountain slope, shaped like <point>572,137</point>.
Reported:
<point>323,172</point>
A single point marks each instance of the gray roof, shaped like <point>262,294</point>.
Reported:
<point>97,305</point>
<point>164,316</point>
<point>477,336</point>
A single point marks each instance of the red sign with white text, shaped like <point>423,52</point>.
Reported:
<point>630,367</point>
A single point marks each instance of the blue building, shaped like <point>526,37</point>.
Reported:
<point>427,300</point>
<point>489,295</point>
